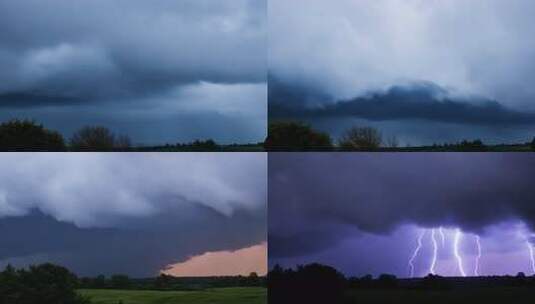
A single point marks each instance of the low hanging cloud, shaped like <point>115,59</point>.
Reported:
<point>96,62</point>
<point>79,210</point>
<point>349,48</point>
<point>424,101</point>
<point>88,189</point>
<point>320,199</point>
<point>123,48</point>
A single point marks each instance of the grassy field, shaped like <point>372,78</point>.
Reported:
<point>458,296</point>
<point>245,295</point>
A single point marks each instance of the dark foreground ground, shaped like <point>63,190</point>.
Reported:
<point>318,284</point>
<point>458,296</point>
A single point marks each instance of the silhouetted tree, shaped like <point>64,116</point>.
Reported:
<point>293,136</point>
<point>432,281</point>
<point>120,281</point>
<point>475,145</point>
<point>361,138</point>
<point>313,283</point>
<point>26,135</point>
<point>387,281</point>
<point>93,139</point>
<point>44,284</point>
<point>123,143</point>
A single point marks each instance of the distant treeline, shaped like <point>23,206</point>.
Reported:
<point>28,135</point>
<point>297,136</point>
<point>316,283</point>
<point>53,284</point>
<point>43,284</point>
<point>167,282</point>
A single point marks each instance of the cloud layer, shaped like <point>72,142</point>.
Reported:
<point>121,56</point>
<point>317,200</point>
<point>159,208</point>
<point>351,47</point>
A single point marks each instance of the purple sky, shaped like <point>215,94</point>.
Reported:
<point>363,213</point>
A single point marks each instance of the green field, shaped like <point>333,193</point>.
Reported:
<point>458,296</point>
<point>246,295</point>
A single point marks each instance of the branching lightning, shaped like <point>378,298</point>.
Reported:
<point>531,256</point>
<point>457,239</point>
<point>442,236</point>
<point>435,252</point>
<point>415,253</point>
<point>478,243</point>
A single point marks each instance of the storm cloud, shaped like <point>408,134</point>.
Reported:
<point>318,200</point>
<point>134,214</point>
<point>121,56</point>
<point>423,101</point>
<point>356,52</point>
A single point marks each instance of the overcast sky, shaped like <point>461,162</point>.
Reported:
<point>160,71</point>
<point>364,212</point>
<point>130,213</point>
<point>476,52</point>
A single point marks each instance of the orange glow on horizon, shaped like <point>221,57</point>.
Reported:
<point>223,263</point>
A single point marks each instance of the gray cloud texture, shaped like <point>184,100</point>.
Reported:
<point>349,48</point>
<point>319,199</point>
<point>132,213</point>
<point>122,56</point>
<point>116,48</point>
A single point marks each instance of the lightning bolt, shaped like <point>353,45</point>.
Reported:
<point>442,236</point>
<point>415,253</point>
<point>458,235</point>
<point>531,256</point>
<point>435,251</point>
<point>478,243</point>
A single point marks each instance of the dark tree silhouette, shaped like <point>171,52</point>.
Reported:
<point>119,281</point>
<point>44,284</point>
<point>313,283</point>
<point>97,138</point>
<point>93,139</point>
<point>361,138</point>
<point>27,135</point>
<point>283,136</point>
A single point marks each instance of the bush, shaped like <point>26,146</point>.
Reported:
<point>98,139</point>
<point>44,284</point>
<point>313,283</point>
<point>119,281</point>
<point>361,138</point>
<point>26,135</point>
<point>294,137</point>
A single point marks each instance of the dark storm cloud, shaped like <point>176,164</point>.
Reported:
<point>126,48</point>
<point>418,101</point>
<point>131,214</point>
<point>351,49</point>
<point>111,58</point>
<point>378,193</point>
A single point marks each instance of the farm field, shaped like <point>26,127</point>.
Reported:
<point>248,295</point>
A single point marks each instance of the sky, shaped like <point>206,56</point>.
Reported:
<point>223,263</point>
<point>158,71</point>
<point>364,213</point>
<point>468,56</point>
<point>135,214</point>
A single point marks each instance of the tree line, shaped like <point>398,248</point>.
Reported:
<point>317,283</point>
<point>52,284</point>
<point>28,135</point>
<point>297,136</point>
